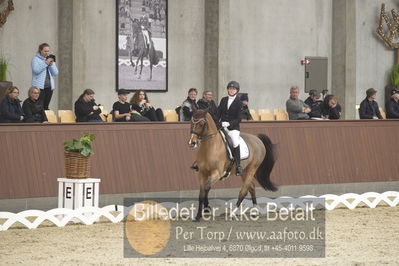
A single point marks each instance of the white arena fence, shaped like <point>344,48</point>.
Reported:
<point>89,215</point>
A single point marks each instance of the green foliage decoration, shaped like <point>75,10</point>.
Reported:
<point>3,68</point>
<point>395,75</point>
<point>82,145</point>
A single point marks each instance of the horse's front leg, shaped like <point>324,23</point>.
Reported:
<point>212,179</point>
<point>203,202</point>
<point>131,57</point>
<point>141,67</point>
<point>137,61</point>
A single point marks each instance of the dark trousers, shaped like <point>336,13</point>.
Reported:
<point>45,97</point>
<point>155,115</point>
<point>139,118</point>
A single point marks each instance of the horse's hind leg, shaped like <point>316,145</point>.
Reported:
<point>247,178</point>
<point>243,193</point>
<point>253,194</point>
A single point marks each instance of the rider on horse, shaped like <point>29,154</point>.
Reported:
<point>229,115</point>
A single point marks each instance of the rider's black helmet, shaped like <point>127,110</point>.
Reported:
<point>233,84</point>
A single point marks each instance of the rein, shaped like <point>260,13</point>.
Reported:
<point>205,127</point>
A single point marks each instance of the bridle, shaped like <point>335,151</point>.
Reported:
<point>200,135</point>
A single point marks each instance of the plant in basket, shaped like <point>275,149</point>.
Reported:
<point>77,156</point>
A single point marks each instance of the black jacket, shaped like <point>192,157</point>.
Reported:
<point>245,113</point>
<point>34,111</point>
<point>368,109</point>
<point>83,110</point>
<point>10,110</point>
<point>187,109</point>
<point>392,109</point>
<point>210,106</point>
<point>326,110</point>
<point>334,113</point>
<point>315,107</point>
<point>231,115</point>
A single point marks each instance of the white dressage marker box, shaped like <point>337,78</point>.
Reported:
<point>77,193</point>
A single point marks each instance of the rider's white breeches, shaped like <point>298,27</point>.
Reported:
<point>235,137</point>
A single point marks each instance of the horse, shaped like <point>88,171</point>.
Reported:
<point>212,160</point>
<point>145,49</point>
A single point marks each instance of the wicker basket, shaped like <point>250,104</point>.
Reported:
<point>76,165</point>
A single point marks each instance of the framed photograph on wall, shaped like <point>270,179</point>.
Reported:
<point>142,45</point>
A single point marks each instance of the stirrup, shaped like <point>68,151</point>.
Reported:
<point>238,170</point>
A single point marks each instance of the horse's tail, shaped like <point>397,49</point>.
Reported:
<point>154,59</point>
<point>265,168</point>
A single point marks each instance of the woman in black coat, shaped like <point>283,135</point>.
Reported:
<point>330,108</point>
<point>33,108</point>
<point>10,107</point>
<point>86,109</point>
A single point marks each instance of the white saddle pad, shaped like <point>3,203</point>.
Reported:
<point>244,150</point>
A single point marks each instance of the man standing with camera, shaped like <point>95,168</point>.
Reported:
<point>43,71</point>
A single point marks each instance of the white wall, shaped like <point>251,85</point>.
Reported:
<point>266,40</point>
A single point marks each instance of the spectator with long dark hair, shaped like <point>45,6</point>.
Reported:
<point>10,107</point>
<point>86,109</point>
<point>33,108</point>
<point>141,104</point>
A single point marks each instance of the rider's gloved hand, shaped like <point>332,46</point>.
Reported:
<point>225,124</point>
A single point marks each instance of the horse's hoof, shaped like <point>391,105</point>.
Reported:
<point>196,220</point>
<point>207,209</point>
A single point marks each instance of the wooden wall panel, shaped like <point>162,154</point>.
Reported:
<point>145,157</point>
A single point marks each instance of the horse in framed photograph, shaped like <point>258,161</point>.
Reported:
<point>142,48</point>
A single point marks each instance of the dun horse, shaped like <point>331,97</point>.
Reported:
<point>212,160</point>
<point>144,48</point>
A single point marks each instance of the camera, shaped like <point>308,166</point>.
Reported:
<point>51,56</point>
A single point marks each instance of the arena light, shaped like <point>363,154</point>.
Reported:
<point>305,62</point>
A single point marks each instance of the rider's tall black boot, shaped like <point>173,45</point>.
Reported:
<point>237,158</point>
